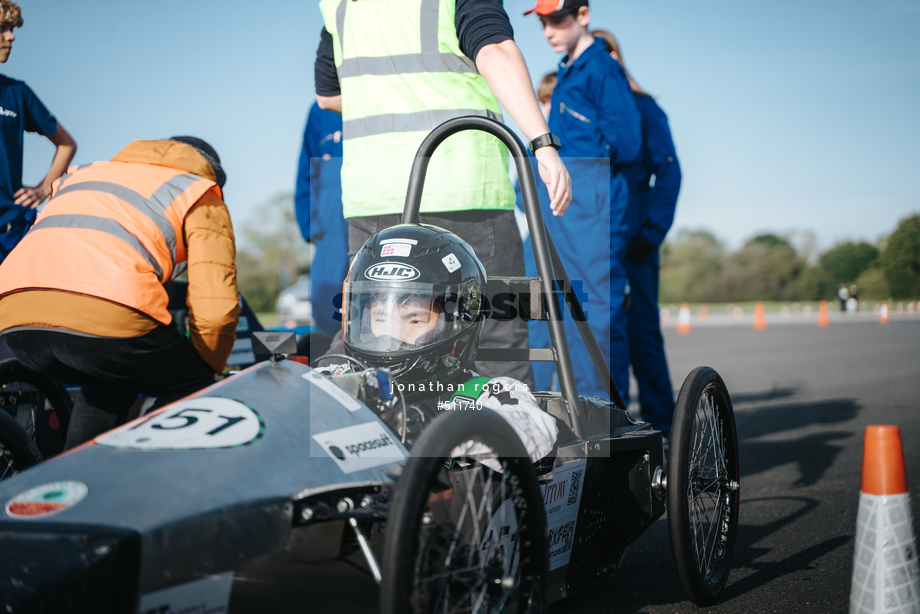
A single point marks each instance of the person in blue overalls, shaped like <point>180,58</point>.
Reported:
<point>318,204</point>
<point>654,182</point>
<point>594,114</point>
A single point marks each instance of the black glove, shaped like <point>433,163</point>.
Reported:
<point>639,248</point>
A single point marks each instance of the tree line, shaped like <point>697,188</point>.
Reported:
<point>697,267</point>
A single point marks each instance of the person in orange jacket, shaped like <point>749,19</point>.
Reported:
<point>82,296</point>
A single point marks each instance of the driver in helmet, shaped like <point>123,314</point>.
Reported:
<point>413,306</point>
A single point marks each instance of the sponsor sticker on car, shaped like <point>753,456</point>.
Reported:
<point>561,498</point>
<point>359,447</point>
<point>46,499</point>
<point>200,423</point>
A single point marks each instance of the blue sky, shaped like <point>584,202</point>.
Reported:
<point>787,115</point>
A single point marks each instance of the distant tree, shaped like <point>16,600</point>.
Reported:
<point>845,262</point>
<point>268,251</point>
<point>771,241</point>
<point>873,285</point>
<point>901,259</point>
<point>689,263</point>
<point>765,268</point>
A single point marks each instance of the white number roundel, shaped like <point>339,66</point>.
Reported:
<point>194,424</point>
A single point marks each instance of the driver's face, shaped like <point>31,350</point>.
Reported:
<point>406,320</point>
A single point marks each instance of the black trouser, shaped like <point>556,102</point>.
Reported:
<point>494,236</point>
<point>112,371</point>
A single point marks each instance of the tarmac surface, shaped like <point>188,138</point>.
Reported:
<point>802,396</point>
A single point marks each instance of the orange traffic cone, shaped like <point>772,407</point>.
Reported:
<point>824,318</point>
<point>886,572</point>
<point>760,316</point>
<point>883,314</point>
<point>703,313</point>
<point>683,320</point>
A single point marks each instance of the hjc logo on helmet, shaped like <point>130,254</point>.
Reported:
<point>391,271</point>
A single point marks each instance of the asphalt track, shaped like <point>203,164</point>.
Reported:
<point>802,398</point>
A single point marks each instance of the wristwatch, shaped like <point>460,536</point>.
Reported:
<point>546,140</point>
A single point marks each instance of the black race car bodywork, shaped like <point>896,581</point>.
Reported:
<point>243,496</point>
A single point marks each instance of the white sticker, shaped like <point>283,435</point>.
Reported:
<point>196,424</point>
<point>46,499</point>
<point>409,241</point>
<point>329,387</point>
<point>396,249</point>
<point>561,498</point>
<point>243,324</point>
<point>451,262</point>
<point>241,354</point>
<point>359,447</point>
<point>391,271</point>
<point>205,596</point>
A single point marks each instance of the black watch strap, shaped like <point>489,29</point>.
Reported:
<point>545,140</point>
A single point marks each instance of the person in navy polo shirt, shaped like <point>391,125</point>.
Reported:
<point>20,111</point>
<point>595,116</point>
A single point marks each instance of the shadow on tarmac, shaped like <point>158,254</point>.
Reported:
<point>648,578</point>
<point>766,395</point>
<point>813,453</point>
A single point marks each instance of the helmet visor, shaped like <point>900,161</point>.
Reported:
<point>383,318</point>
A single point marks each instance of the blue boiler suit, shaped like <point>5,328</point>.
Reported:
<point>594,114</point>
<point>318,205</point>
<point>654,182</point>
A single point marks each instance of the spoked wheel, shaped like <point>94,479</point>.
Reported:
<point>703,485</point>
<point>463,536</point>
<point>17,450</point>
<point>40,405</point>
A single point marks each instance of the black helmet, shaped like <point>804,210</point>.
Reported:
<point>412,303</point>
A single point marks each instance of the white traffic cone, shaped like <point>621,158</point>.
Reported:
<point>683,320</point>
<point>886,572</point>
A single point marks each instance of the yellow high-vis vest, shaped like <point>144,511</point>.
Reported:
<point>402,73</point>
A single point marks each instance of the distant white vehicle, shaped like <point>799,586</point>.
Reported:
<point>294,302</point>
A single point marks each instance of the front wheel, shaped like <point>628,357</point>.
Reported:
<point>703,485</point>
<point>466,533</point>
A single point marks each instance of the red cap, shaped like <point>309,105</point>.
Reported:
<point>548,7</point>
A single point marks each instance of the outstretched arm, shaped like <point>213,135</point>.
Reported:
<point>66,148</point>
<point>503,68</point>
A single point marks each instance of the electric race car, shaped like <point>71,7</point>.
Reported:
<point>280,489</point>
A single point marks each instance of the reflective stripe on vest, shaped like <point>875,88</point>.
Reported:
<point>396,88</point>
<point>406,122</point>
<point>153,207</point>
<point>102,224</point>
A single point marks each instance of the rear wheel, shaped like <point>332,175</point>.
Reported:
<point>466,533</point>
<point>703,485</point>
<point>40,405</point>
